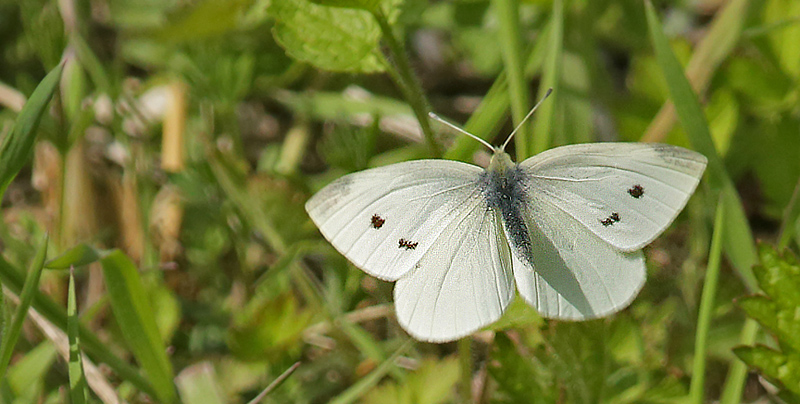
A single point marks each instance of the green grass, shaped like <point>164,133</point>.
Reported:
<point>208,282</point>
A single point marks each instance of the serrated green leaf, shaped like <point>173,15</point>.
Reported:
<point>761,309</point>
<point>12,332</point>
<point>330,38</point>
<point>135,317</point>
<point>778,276</point>
<point>773,364</point>
<point>17,146</point>
<point>82,254</point>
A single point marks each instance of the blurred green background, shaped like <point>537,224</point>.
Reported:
<point>171,166</point>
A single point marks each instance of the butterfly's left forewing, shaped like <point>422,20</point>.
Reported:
<point>426,224</point>
<point>385,219</point>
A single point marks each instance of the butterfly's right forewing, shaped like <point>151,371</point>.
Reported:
<point>385,219</point>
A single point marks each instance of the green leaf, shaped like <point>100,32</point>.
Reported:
<point>77,380</point>
<point>77,256</point>
<point>330,38</point>
<point>369,5</point>
<point>12,332</point>
<point>135,318</point>
<point>779,276</point>
<point>738,237</point>
<point>775,365</point>
<point>31,368</point>
<point>206,19</point>
<point>518,315</point>
<point>516,376</point>
<point>198,384</point>
<point>17,147</point>
<point>432,382</point>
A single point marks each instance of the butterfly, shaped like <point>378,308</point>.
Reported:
<point>565,228</point>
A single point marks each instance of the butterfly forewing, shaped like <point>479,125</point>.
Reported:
<point>385,219</point>
<point>571,273</point>
<point>625,193</point>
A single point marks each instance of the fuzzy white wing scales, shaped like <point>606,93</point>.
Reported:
<point>464,282</point>
<point>573,275</point>
<point>365,215</point>
<point>625,193</point>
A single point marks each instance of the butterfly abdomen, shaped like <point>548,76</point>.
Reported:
<point>504,193</point>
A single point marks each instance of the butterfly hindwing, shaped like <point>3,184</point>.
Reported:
<point>569,273</point>
<point>625,193</point>
<point>464,282</point>
<point>385,219</point>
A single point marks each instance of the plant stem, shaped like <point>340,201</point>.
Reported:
<point>508,17</point>
<point>696,390</point>
<point>465,359</point>
<point>407,81</point>
<point>734,383</point>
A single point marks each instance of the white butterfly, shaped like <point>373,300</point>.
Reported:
<point>566,226</point>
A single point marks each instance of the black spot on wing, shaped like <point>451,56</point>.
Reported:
<point>407,244</point>
<point>636,191</point>
<point>611,219</point>
<point>377,221</point>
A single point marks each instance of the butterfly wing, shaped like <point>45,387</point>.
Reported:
<point>462,283</point>
<point>385,219</point>
<point>565,271</point>
<point>625,193</point>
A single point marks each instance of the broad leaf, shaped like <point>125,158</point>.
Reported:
<point>330,38</point>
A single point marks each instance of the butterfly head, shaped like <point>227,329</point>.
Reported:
<point>500,161</point>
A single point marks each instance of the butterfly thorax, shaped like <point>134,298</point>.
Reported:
<point>503,187</point>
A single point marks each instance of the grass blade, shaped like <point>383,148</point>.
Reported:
<point>544,122</point>
<point>80,255</point>
<point>485,122</point>
<point>369,381</point>
<point>13,279</point>
<point>11,333</point>
<point>738,237</point>
<point>722,37</point>
<point>17,147</point>
<point>696,390</point>
<point>135,317</point>
<point>77,379</point>
<point>508,22</point>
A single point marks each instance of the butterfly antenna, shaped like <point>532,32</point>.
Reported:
<point>549,91</point>
<point>436,118</point>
